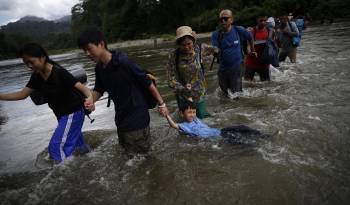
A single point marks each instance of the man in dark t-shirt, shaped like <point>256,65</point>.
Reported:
<point>123,80</point>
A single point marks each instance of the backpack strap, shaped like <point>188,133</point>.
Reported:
<point>199,54</point>
<point>240,37</point>
<point>220,37</point>
<point>269,32</point>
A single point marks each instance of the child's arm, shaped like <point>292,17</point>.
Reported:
<point>20,95</point>
<point>172,123</point>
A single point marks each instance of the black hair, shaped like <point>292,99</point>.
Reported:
<point>91,35</point>
<point>34,50</point>
<point>186,104</point>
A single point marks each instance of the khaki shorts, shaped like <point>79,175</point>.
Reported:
<point>291,53</point>
<point>135,142</point>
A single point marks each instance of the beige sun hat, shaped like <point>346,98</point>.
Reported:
<point>184,31</point>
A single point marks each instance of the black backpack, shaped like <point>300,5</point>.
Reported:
<point>150,100</point>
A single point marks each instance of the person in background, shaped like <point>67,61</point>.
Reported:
<point>60,88</point>
<point>185,71</point>
<point>125,82</point>
<point>300,22</point>
<point>286,31</point>
<point>260,34</point>
<point>228,38</point>
<point>271,24</point>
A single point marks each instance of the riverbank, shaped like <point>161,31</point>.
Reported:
<point>151,41</point>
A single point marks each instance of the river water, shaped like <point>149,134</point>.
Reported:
<point>306,162</point>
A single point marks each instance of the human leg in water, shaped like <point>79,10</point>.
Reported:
<point>68,132</point>
<point>241,134</point>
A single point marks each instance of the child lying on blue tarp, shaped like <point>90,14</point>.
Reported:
<point>195,127</point>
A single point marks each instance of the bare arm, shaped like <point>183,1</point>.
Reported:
<point>82,88</point>
<point>172,123</point>
<point>252,49</point>
<point>89,102</point>
<point>163,110</point>
<point>96,95</point>
<point>20,95</point>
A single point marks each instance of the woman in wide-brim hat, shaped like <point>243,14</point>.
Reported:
<point>185,71</point>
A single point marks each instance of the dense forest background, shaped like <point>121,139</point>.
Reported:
<point>135,19</point>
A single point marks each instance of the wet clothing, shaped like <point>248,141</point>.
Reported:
<point>260,36</point>
<point>231,79</point>
<point>67,137</point>
<point>131,112</point>
<point>58,89</point>
<point>198,129</point>
<point>286,42</point>
<point>285,39</point>
<point>253,64</point>
<point>230,47</point>
<point>291,54</point>
<point>63,99</point>
<point>264,74</point>
<point>239,134</point>
<point>231,57</point>
<point>189,70</point>
<point>137,141</point>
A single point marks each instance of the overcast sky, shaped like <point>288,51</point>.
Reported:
<point>12,10</point>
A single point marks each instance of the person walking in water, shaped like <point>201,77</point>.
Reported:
<point>253,64</point>
<point>185,71</point>
<point>228,39</point>
<point>286,31</point>
<point>126,83</point>
<point>60,89</point>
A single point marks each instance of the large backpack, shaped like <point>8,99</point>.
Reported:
<point>295,39</point>
<point>300,24</point>
<point>150,100</point>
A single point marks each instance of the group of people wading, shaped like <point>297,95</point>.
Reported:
<point>126,83</point>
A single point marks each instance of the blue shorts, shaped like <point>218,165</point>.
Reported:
<point>67,136</point>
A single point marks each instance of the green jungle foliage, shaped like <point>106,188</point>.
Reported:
<point>132,19</point>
